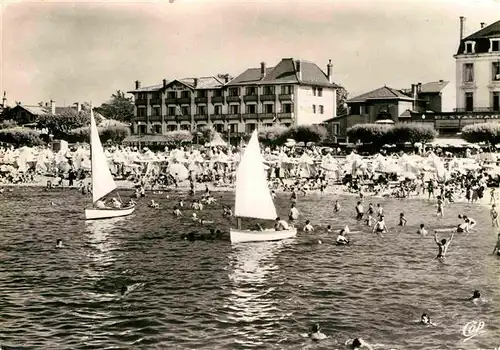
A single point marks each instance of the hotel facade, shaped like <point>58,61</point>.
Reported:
<point>294,92</point>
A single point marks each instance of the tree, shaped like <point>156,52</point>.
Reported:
<point>62,123</point>
<point>369,133</point>
<point>5,114</point>
<point>206,134</point>
<point>119,107</point>
<point>484,132</point>
<point>304,133</point>
<point>412,132</point>
<point>342,95</point>
<point>272,135</point>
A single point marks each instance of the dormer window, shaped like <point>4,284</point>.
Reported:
<point>495,45</point>
<point>469,46</point>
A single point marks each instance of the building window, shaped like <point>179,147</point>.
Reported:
<point>469,46</point>
<point>171,94</point>
<point>314,108</point>
<point>217,110</point>
<point>201,93</point>
<point>335,129</point>
<point>286,90</point>
<point>157,129</point>
<point>250,127</point>
<point>156,111</point>
<point>202,110</point>
<point>235,109</point>
<point>314,90</point>
<point>496,71</point>
<point>469,101</point>
<point>320,92</point>
<point>469,72</point>
<point>495,103</point>
<point>233,128</point>
<point>268,108</point>
<point>142,129</point>
<point>287,125</point>
<point>172,127</point>
<point>155,96</point>
<point>251,91</point>
<point>321,109</point>
<point>286,108</point>
<point>185,94</point>
<point>142,96</point>
<point>234,92</point>
<point>251,109</point>
<point>217,93</point>
<point>141,112</point>
<point>171,111</point>
<point>185,127</point>
<point>494,45</point>
<point>268,90</point>
<point>186,110</point>
<point>219,128</point>
<point>268,125</point>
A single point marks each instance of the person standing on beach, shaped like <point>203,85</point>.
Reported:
<point>494,216</point>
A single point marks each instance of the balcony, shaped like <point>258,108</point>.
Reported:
<point>183,117</point>
<point>217,117</point>
<point>155,101</point>
<point>235,116</point>
<point>250,98</point>
<point>169,117</point>
<point>250,116</point>
<point>285,115</point>
<point>200,116</point>
<point>267,115</point>
<point>271,97</point>
<point>155,118</point>
<point>285,97</point>
<point>171,101</point>
<point>141,102</point>
<point>233,99</point>
<point>140,118</point>
<point>184,100</point>
<point>218,99</point>
<point>477,109</point>
<point>201,100</point>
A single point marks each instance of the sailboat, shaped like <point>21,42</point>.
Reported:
<point>102,180</point>
<point>253,198</point>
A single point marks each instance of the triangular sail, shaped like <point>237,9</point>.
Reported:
<point>253,198</point>
<point>102,180</point>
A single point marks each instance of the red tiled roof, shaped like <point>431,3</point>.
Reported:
<point>383,93</point>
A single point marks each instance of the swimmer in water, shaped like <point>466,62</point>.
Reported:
<point>402,219</point>
<point>442,245</point>
<point>497,246</point>
<point>342,239</point>
<point>315,333</point>
<point>440,208</point>
<point>422,231</point>
<point>336,208</point>
<point>308,227</point>
<point>177,211</point>
<point>123,289</point>
<point>329,229</point>
<point>358,344</point>
<point>59,243</point>
<point>475,296</point>
<point>426,320</point>
<point>380,227</point>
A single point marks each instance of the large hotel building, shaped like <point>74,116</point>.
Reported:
<point>294,92</point>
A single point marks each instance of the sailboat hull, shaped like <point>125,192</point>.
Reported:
<point>94,214</point>
<point>242,236</point>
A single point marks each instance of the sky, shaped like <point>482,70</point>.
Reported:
<point>71,51</point>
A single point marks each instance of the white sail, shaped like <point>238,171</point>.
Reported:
<point>253,198</point>
<point>102,180</point>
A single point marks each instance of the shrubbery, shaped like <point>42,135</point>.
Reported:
<point>379,134</point>
<point>271,135</point>
<point>21,137</point>
<point>179,136</point>
<point>206,134</point>
<point>8,124</point>
<point>484,132</point>
<point>111,133</point>
<point>277,135</point>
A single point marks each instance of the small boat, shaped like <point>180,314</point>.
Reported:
<point>253,198</point>
<point>102,180</point>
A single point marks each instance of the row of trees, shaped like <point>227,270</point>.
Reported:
<point>380,134</point>
<point>485,132</point>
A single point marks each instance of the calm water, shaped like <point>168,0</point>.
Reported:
<point>193,295</point>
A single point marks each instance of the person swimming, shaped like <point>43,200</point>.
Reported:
<point>329,229</point>
<point>281,225</point>
<point>358,344</point>
<point>475,296</point>
<point>342,239</point>
<point>422,231</point>
<point>442,245</point>
<point>153,204</point>
<point>359,211</point>
<point>308,227</point>
<point>336,208</point>
<point>315,333</point>
<point>177,211</point>
<point>426,320</point>
<point>59,243</point>
<point>380,227</point>
<point>497,246</point>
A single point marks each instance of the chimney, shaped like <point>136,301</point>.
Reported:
<point>195,82</point>
<point>441,81</point>
<point>137,84</point>
<point>299,71</point>
<point>413,90</point>
<point>46,104</point>
<point>329,71</point>
<point>164,83</point>
<point>419,87</point>
<point>53,107</point>
<point>226,79</point>
<point>78,107</point>
<point>482,25</point>
<point>462,23</point>
<point>4,99</point>
<point>262,70</point>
